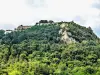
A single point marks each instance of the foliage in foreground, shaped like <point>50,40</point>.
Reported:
<point>55,59</point>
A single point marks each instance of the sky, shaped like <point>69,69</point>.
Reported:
<point>16,12</point>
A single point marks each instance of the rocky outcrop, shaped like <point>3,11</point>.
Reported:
<point>64,34</point>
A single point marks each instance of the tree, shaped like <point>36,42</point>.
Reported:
<point>50,21</point>
<point>2,33</point>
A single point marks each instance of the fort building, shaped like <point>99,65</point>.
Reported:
<point>21,27</point>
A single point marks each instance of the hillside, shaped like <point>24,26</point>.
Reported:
<point>55,48</point>
<point>60,32</point>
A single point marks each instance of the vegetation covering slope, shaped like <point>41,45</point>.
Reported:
<point>41,51</point>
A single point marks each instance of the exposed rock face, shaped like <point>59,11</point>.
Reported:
<point>65,35</point>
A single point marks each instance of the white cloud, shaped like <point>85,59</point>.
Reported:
<point>14,12</point>
<point>26,12</point>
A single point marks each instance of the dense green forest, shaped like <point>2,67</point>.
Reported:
<point>43,50</point>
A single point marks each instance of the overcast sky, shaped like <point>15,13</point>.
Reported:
<point>27,12</point>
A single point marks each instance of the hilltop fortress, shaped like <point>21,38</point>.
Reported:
<point>41,22</point>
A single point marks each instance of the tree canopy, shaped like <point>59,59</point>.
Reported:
<point>40,51</point>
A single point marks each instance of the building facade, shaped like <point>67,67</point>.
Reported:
<point>8,31</point>
<point>21,27</point>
